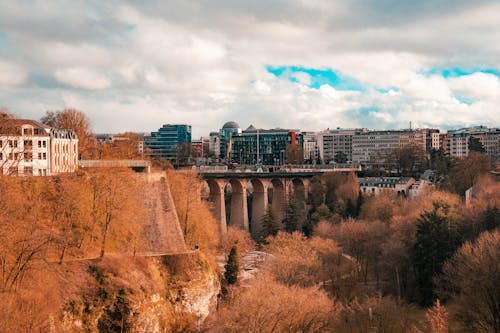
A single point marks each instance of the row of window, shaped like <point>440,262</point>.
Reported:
<point>27,156</point>
<point>27,143</point>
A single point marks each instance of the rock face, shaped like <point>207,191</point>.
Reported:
<point>141,295</point>
<point>202,299</point>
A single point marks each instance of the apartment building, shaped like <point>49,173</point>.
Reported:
<point>29,148</point>
<point>457,141</point>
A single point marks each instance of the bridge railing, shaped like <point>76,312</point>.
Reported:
<point>113,163</point>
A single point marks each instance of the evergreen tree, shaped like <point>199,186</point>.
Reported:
<point>436,241</point>
<point>359,203</point>
<point>476,145</point>
<point>232,266</point>
<point>270,224</point>
<point>293,215</point>
<point>350,209</point>
<point>491,218</point>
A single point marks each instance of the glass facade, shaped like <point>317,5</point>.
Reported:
<point>166,140</point>
<point>271,149</point>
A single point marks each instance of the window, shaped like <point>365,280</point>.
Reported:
<point>28,143</point>
<point>44,156</point>
<point>39,144</point>
<point>44,143</point>
<point>28,170</point>
<point>28,157</point>
<point>13,143</point>
<point>1,156</point>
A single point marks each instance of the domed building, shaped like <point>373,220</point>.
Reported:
<point>230,128</point>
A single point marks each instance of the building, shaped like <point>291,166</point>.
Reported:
<point>335,142</point>
<point>369,147</point>
<point>458,141</point>
<point>30,148</point>
<point>310,147</point>
<point>266,146</point>
<point>226,134</point>
<point>165,143</point>
<point>215,144</point>
<point>378,185</point>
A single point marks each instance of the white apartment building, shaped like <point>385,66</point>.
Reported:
<point>376,144</point>
<point>378,185</point>
<point>29,148</point>
<point>310,146</point>
<point>330,142</point>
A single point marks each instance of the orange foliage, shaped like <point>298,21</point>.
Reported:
<point>197,222</point>
<point>267,306</point>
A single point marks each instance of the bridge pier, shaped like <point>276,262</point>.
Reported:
<point>239,206</point>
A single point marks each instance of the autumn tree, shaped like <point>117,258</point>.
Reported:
<point>77,121</point>
<point>294,154</point>
<point>197,223</point>
<point>471,278</point>
<point>437,318</point>
<point>24,229</point>
<point>466,171</point>
<point>267,306</point>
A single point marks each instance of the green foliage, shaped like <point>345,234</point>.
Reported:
<point>232,266</point>
<point>436,241</point>
<point>440,163</point>
<point>316,192</point>
<point>270,224</point>
<point>321,213</point>
<point>294,215</point>
<point>340,157</point>
<point>491,218</point>
<point>350,209</point>
<point>115,315</point>
<point>476,145</point>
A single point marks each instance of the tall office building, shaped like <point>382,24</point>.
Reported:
<point>165,143</point>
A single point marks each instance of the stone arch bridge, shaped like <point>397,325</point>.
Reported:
<point>283,184</point>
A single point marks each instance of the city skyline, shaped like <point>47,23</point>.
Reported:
<point>294,64</point>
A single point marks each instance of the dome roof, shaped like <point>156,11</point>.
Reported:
<point>230,125</point>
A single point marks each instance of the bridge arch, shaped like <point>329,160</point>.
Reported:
<point>216,197</point>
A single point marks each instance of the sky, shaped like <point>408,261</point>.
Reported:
<point>304,64</point>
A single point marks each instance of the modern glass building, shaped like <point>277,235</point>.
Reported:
<point>271,148</point>
<point>165,143</point>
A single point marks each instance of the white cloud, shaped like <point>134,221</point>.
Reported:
<point>11,74</point>
<point>84,78</point>
<point>204,63</point>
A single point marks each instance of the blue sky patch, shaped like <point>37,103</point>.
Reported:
<point>318,77</point>
<point>465,100</point>
<point>458,72</point>
<point>386,90</point>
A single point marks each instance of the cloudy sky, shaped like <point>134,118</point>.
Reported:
<point>308,64</point>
